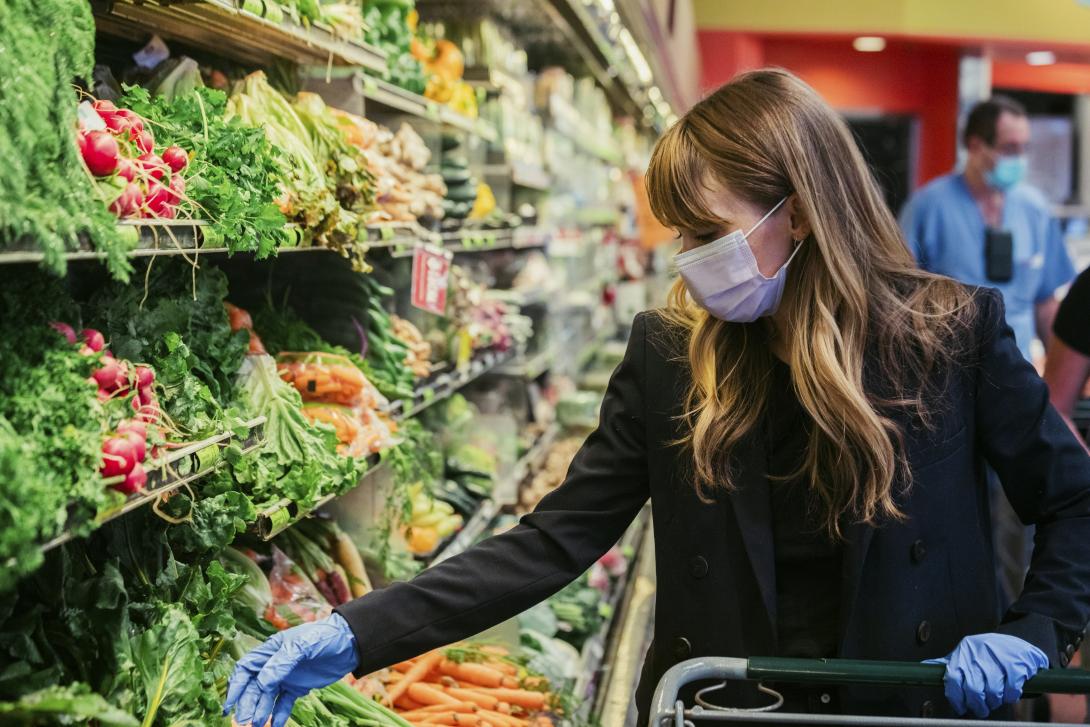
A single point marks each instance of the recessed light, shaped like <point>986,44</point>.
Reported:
<point>1041,58</point>
<point>869,44</point>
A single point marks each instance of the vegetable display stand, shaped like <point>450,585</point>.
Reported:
<point>150,238</point>
<point>667,710</point>
<point>177,469</point>
<point>216,25</point>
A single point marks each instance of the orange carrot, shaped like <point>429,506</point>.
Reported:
<point>429,694</point>
<point>519,697</point>
<point>505,666</point>
<point>532,682</point>
<point>478,674</point>
<point>403,666</point>
<point>468,695</point>
<point>510,683</point>
<point>501,720</point>
<point>418,671</point>
<point>435,710</point>
<point>405,703</point>
<point>463,707</point>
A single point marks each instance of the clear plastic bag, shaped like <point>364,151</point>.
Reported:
<point>295,599</point>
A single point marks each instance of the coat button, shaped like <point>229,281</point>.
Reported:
<point>1070,650</point>
<point>918,551</point>
<point>698,567</point>
<point>927,709</point>
<point>923,632</point>
<point>1064,660</point>
<point>682,648</point>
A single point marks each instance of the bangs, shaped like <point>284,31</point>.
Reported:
<point>676,182</point>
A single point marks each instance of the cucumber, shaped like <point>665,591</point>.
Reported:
<point>449,141</point>
<point>454,161</point>
<point>466,192</point>
<point>455,177</point>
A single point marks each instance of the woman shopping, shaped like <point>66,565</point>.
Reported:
<point>811,417</point>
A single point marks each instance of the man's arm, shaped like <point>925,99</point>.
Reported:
<point>1045,312</point>
<point>1066,371</point>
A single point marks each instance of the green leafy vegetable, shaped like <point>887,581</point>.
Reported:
<point>72,704</point>
<point>234,176</point>
<point>46,194</point>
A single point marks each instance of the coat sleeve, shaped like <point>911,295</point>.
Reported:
<point>1046,476</point>
<point>502,576</point>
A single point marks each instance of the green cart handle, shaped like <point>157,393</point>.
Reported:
<point>665,704</point>
<point>896,673</point>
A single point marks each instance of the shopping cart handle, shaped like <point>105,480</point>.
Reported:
<point>896,673</point>
<point>838,672</point>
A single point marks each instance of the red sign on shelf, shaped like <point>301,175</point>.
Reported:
<point>431,271</point>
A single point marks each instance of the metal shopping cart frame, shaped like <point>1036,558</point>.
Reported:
<point>669,711</point>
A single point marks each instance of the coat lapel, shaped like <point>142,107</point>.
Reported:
<point>752,508</point>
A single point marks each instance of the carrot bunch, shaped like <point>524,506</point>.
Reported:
<point>484,690</point>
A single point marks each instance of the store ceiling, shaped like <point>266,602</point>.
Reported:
<point>1058,23</point>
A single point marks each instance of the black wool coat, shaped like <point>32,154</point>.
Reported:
<point>910,590</point>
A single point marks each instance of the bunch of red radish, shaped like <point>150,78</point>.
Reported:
<point>117,146</point>
<point>123,452</point>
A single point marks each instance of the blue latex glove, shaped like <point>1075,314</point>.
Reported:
<point>987,670</point>
<point>269,679</point>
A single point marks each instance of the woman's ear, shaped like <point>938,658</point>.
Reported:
<point>800,223</point>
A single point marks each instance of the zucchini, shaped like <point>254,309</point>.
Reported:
<point>454,161</point>
<point>466,192</point>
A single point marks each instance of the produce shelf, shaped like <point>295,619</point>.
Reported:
<point>530,368</point>
<point>278,517</point>
<point>383,93</point>
<point>156,237</point>
<point>221,27</point>
<point>493,80</point>
<point>281,515</point>
<point>529,463</point>
<point>179,468</point>
<point>594,650</point>
<point>565,120</point>
<point>447,384</point>
<point>469,532</point>
<point>485,240</point>
<point>529,176</point>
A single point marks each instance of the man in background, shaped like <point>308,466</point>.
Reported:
<point>983,226</point>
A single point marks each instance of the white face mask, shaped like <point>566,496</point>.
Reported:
<point>723,277</point>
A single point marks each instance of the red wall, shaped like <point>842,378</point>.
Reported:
<point>1072,78</point>
<point>906,78</point>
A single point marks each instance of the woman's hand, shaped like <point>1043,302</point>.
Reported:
<point>269,679</point>
<point>987,670</point>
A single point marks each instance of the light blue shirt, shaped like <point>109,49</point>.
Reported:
<point>945,232</point>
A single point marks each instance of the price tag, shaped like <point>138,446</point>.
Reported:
<point>431,110</point>
<point>279,518</point>
<point>369,85</point>
<point>207,457</point>
<point>386,232</point>
<point>431,273</point>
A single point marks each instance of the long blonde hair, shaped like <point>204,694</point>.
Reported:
<point>852,292</point>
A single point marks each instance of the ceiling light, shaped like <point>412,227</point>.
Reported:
<point>1041,58</point>
<point>869,44</point>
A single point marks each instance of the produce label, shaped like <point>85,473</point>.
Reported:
<point>431,271</point>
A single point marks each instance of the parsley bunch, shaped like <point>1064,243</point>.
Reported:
<point>234,178</point>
